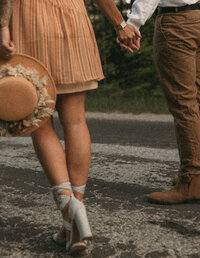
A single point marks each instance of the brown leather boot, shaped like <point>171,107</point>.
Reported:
<point>186,189</point>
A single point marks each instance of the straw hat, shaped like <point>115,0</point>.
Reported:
<point>27,95</point>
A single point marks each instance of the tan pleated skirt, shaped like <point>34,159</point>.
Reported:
<point>60,35</point>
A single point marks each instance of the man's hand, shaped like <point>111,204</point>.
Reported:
<point>129,38</point>
<point>7,47</point>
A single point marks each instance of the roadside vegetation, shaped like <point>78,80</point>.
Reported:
<point>131,82</point>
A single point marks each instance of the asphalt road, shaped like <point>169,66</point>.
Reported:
<point>131,157</point>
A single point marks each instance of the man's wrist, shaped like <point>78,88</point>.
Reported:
<point>121,26</point>
<point>137,23</point>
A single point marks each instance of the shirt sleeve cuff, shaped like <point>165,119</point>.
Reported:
<point>134,22</point>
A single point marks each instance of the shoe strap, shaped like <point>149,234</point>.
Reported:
<point>67,225</point>
<point>79,189</point>
<point>61,199</point>
<point>61,187</point>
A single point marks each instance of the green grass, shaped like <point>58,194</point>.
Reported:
<point>133,105</point>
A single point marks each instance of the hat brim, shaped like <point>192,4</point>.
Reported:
<point>30,62</point>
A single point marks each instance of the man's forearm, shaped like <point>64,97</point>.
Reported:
<point>111,11</point>
<point>6,7</point>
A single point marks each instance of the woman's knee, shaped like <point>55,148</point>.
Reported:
<point>72,123</point>
<point>71,110</point>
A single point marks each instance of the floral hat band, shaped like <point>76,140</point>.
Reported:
<point>27,95</point>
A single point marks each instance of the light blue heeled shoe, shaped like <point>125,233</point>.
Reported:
<point>77,214</point>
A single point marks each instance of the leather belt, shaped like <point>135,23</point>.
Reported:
<point>161,10</point>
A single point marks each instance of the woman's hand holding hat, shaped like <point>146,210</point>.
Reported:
<point>7,48</point>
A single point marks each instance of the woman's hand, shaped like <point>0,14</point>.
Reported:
<point>129,38</point>
<point>7,48</point>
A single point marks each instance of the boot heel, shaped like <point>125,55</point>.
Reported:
<point>83,224</point>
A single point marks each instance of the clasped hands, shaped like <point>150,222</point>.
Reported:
<point>129,38</point>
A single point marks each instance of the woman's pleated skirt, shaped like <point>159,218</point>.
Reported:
<point>60,35</point>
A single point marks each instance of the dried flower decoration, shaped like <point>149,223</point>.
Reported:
<point>41,110</point>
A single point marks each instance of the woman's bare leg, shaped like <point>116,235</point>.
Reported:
<point>71,110</point>
<point>52,157</point>
<point>50,153</point>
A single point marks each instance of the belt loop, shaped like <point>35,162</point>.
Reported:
<point>176,9</point>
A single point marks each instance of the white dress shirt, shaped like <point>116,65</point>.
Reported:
<point>142,10</point>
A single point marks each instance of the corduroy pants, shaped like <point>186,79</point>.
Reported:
<point>177,56</point>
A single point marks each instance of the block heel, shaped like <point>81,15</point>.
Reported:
<point>77,213</point>
<point>83,224</point>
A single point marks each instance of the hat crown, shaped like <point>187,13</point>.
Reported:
<point>18,98</point>
<point>25,76</point>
